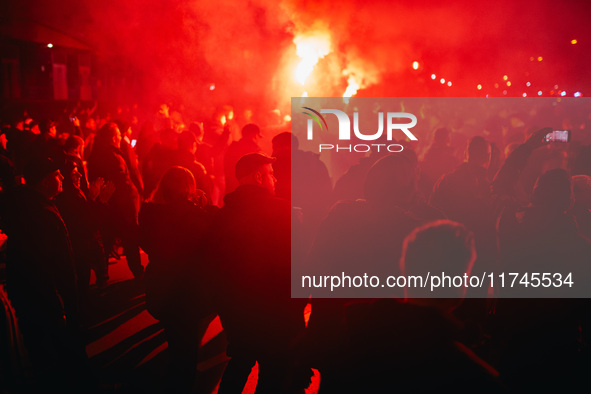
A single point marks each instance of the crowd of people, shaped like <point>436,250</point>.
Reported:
<point>223,219</point>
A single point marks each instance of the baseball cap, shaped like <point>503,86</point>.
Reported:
<point>250,163</point>
<point>37,169</point>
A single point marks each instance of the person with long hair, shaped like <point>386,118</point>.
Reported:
<point>107,162</point>
<point>173,224</point>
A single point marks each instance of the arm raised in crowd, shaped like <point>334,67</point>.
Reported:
<point>509,173</point>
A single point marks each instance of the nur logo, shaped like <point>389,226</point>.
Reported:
<point>392,119</point>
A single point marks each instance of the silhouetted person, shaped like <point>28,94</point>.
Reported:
<point>8,177</point>
<point>205,151</point>
<point>130,157</point>
<point>354,231</point>
<point>411,345</point>
<point>582,164</point>
<point>74,151</point>
<point>81,218</point>
<point>160,158</point>
<point>247,144</point>
<point>107,163</point>
<point>211,151</point>
<point>185,157</point>
<point>439,159</point>
<point>350,185</point>
<point>147,137</point>
<point>90,128</point>
<point>41,280</point>
<point>359,237</point>
<point>283,144</point>
<point>508,187</point>
<point>539,337</point>
<point>46,144</point>
<point>380,187</point>
<point>581,209</point>
<point>172,228</point>
<point>251,251</point>
<point>18,146</point>
<point>303,179</point>
<point>464,195</point>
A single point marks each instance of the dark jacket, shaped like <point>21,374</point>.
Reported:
<point>357,238</point>
<point>172,236</point>
<point>464,195</point>
<point>202,179</point>
<point>542,337</point>
<point>159,159</point>
<point>82,220</point>
<point>360,237</point>
<point>130,158</point>
<point>400,347</point>
<point>438,160</point>
<point>45,146</point>
<point>19,144</point>
<point>250,248</point>
<point>108,163</point>
<point>41,278</point>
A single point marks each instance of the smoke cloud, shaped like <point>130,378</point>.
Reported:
<point>174,50</point>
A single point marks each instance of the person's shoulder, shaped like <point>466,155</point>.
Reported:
<point>308,155</point>
<point>118,159</point>
<point>196,210</point>
<point>49,214</point>
<point>461,169</point>
<point>345,209</point>
<point>280,203</point>
<point>512,215</point>
<point>105,153</point>
<point>198,168</point>
<point>15,199</point>
<point>349,205</point>
<point>307,158</point>
<point>159,208</point>
<point>211,210</point>
<point>125,147</point>
<point>69,197</point>
<point>149,207</point>
<point>457,175</point>
<point>234,145</point>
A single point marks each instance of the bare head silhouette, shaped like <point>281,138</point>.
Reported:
<point>553,190</point>
<point>177,185</point>
<point>392,179</point>
<point>443,246</point>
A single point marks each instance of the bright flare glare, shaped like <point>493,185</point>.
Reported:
<point>351,89</point>
<point>310,48</point>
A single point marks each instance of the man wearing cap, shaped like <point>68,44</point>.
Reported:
<point>251,255</point>
<point>41,279</point>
